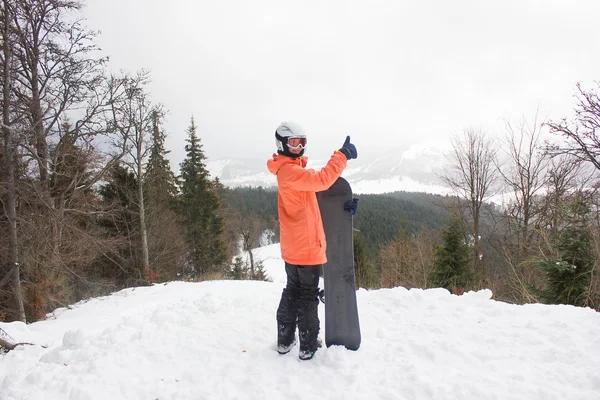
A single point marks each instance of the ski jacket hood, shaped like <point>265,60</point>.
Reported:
<point>302,237</point>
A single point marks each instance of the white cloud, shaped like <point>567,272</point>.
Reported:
<point>376,70</point>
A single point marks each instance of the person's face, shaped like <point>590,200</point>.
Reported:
<point>296,150</point>
<point>296,144</point>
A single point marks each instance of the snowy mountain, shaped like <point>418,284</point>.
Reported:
<point>411,169</point>
<point>216,340</point>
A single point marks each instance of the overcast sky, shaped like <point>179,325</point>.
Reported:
<point>387,72</point>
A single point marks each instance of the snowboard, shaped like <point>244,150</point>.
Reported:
<point>341,312</point>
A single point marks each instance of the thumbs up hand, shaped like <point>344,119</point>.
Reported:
<point>349,149</point>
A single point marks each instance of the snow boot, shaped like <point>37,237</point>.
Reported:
<point>286,338</point>
<point>283,349</point>
<point>309,344</point>
<point>286,320</point>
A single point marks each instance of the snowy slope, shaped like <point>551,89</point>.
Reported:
<point>216,340</point>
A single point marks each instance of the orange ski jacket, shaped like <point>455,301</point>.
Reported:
<point>302,238</point>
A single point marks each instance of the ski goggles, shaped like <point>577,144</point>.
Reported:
<point>296,142</point>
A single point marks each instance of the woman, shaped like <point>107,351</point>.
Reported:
<point>302,238</point>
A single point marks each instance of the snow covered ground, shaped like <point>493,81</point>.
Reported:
<point>216,340</point>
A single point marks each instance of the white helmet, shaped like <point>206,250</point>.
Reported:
<point>290,130</point>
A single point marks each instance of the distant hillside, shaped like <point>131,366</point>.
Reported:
<point>256,201</point>
<point>380,218</point>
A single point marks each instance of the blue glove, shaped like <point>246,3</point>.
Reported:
<point>351,206</point>
<point>349,149</point>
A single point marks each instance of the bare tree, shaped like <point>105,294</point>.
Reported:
<point>247,230</point>
<point>62,92</point>
<point>564,176</point>
<point>472,176</point>
<point>524,175</point>
<point>408,261</point>
<point>58,77</point>
<point>581,146</point>
<point>581,136</point>
<point>133,120</point>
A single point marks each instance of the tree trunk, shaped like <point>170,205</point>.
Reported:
<point>10,206</point>
<point>251,263</point>
<point>40,137</point>
<point>476,263</point>
<point>143,230</point>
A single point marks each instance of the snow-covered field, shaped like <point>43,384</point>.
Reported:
<point>216,340</point>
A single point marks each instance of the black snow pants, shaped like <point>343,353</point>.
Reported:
<point>299,304</point>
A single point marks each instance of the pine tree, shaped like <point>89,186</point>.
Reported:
<point>198,206</point>
<point>160,182</point>
<point>568,274</point>
<point>166,246</point>
<point>238,270</point>
<point>259,272</point>
<point>451,265</point>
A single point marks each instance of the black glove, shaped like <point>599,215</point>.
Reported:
<point>351,206</point>
<point>349,149</point>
